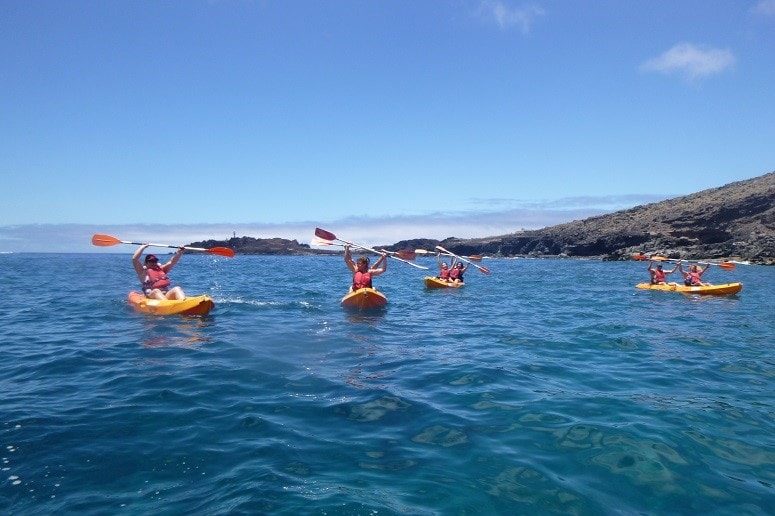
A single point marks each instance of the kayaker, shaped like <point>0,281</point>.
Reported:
<point>362,273</point>
<point>156,283</point>
<point>443,268</point>
<point>456,274</point>
<point>693,278</point>
<point>658,275</point>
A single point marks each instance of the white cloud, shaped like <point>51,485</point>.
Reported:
<point>508,17</point>
<point>691,61</point>
<point>502,216</point>
<point>765,7</point>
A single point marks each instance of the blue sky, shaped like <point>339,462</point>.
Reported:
<point>388,119</point>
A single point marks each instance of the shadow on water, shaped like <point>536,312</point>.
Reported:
<point>367,317</point>
<point>183,332</point>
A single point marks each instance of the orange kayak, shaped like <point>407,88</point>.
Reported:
<point>433,282</point>
<point>364,299</point>
<point>724,289</point>
<point>195,305</point>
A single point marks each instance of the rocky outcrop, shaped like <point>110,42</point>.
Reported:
<point>250,245</point>
<point>736,220</point>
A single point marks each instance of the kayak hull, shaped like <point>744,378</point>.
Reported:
<point>194,305</point>
<point>724,289</point>
<point>364,299</point>
<point>433,282</point>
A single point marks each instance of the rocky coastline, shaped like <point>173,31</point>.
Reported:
<point>735,221</point>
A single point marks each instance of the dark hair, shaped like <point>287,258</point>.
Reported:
<point>363,260</point>
<point>151,258</point>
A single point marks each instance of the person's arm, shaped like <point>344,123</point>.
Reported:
<point>348,259</point>
<point>136,262</point>
<point>650,266</point>
<point>175,258</point>
<point>380,266</point>
<point>703,270</point>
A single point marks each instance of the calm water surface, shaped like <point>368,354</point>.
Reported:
<point>549,386</point>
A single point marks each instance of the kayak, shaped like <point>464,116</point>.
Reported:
<point>724,289</point>
<point>433,282</point>
<point>364,299</point>
<point>194,305</point>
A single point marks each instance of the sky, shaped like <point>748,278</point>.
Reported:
<point>377,120</point>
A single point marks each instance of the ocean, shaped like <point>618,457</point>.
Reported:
<point>550,386</point>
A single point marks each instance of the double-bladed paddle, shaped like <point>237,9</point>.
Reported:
<point>482,269</point>
<point>726,265</point>
<point>108,240</point>
<point>407,255</point>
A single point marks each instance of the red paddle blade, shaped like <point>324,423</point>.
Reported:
<point>222,251</point>
<point>727,266</point>
<point>639,257</point>
<point>104,240</point>
<point>406,254</point>
<point>325,235</point>
<point>484,270</point>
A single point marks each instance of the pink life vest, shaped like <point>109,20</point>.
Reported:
<point>694,278</point>
<point>155,278</point>
<point>361,280</point>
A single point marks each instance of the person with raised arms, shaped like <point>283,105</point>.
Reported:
<point>456,274</point>
<point>658,275</point>
<point>156,283</point>
<point>443,268</point>
<point>362,273</point>
<point>693,278</point>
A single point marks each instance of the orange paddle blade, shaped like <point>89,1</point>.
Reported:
<point>221,251</point>
<point>475,258</point>
<point>639,256</point>
<point>104,240</point>
<point>485,270</point>
<point>727,266</point>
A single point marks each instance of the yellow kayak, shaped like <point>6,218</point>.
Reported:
<point>433,282</point>
<point>364,299</point>
<point>195,305</point>
<point>724,289</point>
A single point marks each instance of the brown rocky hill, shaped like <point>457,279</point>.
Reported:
<point>735,220</point>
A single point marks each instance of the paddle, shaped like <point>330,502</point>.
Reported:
<point>726,265</point>
<point>108,240</point>
<point>473,257</point>
<point>404,254</point>
<point>484,270</point>
<point>327,235</point>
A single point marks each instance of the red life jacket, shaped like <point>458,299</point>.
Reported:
<point>361,280</point>
<point>155,278</point>
<point>659,276</point>
<point>694,278</point>
<point>444,274</point>
<point>454,273</point>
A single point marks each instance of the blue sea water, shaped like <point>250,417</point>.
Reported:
<point>551,386</point>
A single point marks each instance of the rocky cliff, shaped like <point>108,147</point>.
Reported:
<point>735,220</point>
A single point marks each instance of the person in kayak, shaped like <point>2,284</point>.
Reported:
<point>693,278</point>
<point>362,273</point>
<point>456,274</point>
<point>156,283</point>
<point>658,275</point>
<point>443,268</point>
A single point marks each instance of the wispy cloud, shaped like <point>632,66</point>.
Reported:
<point>691,61</point>
<point>765,7</point>
<point>506,17</point>
<point>503,216</point>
